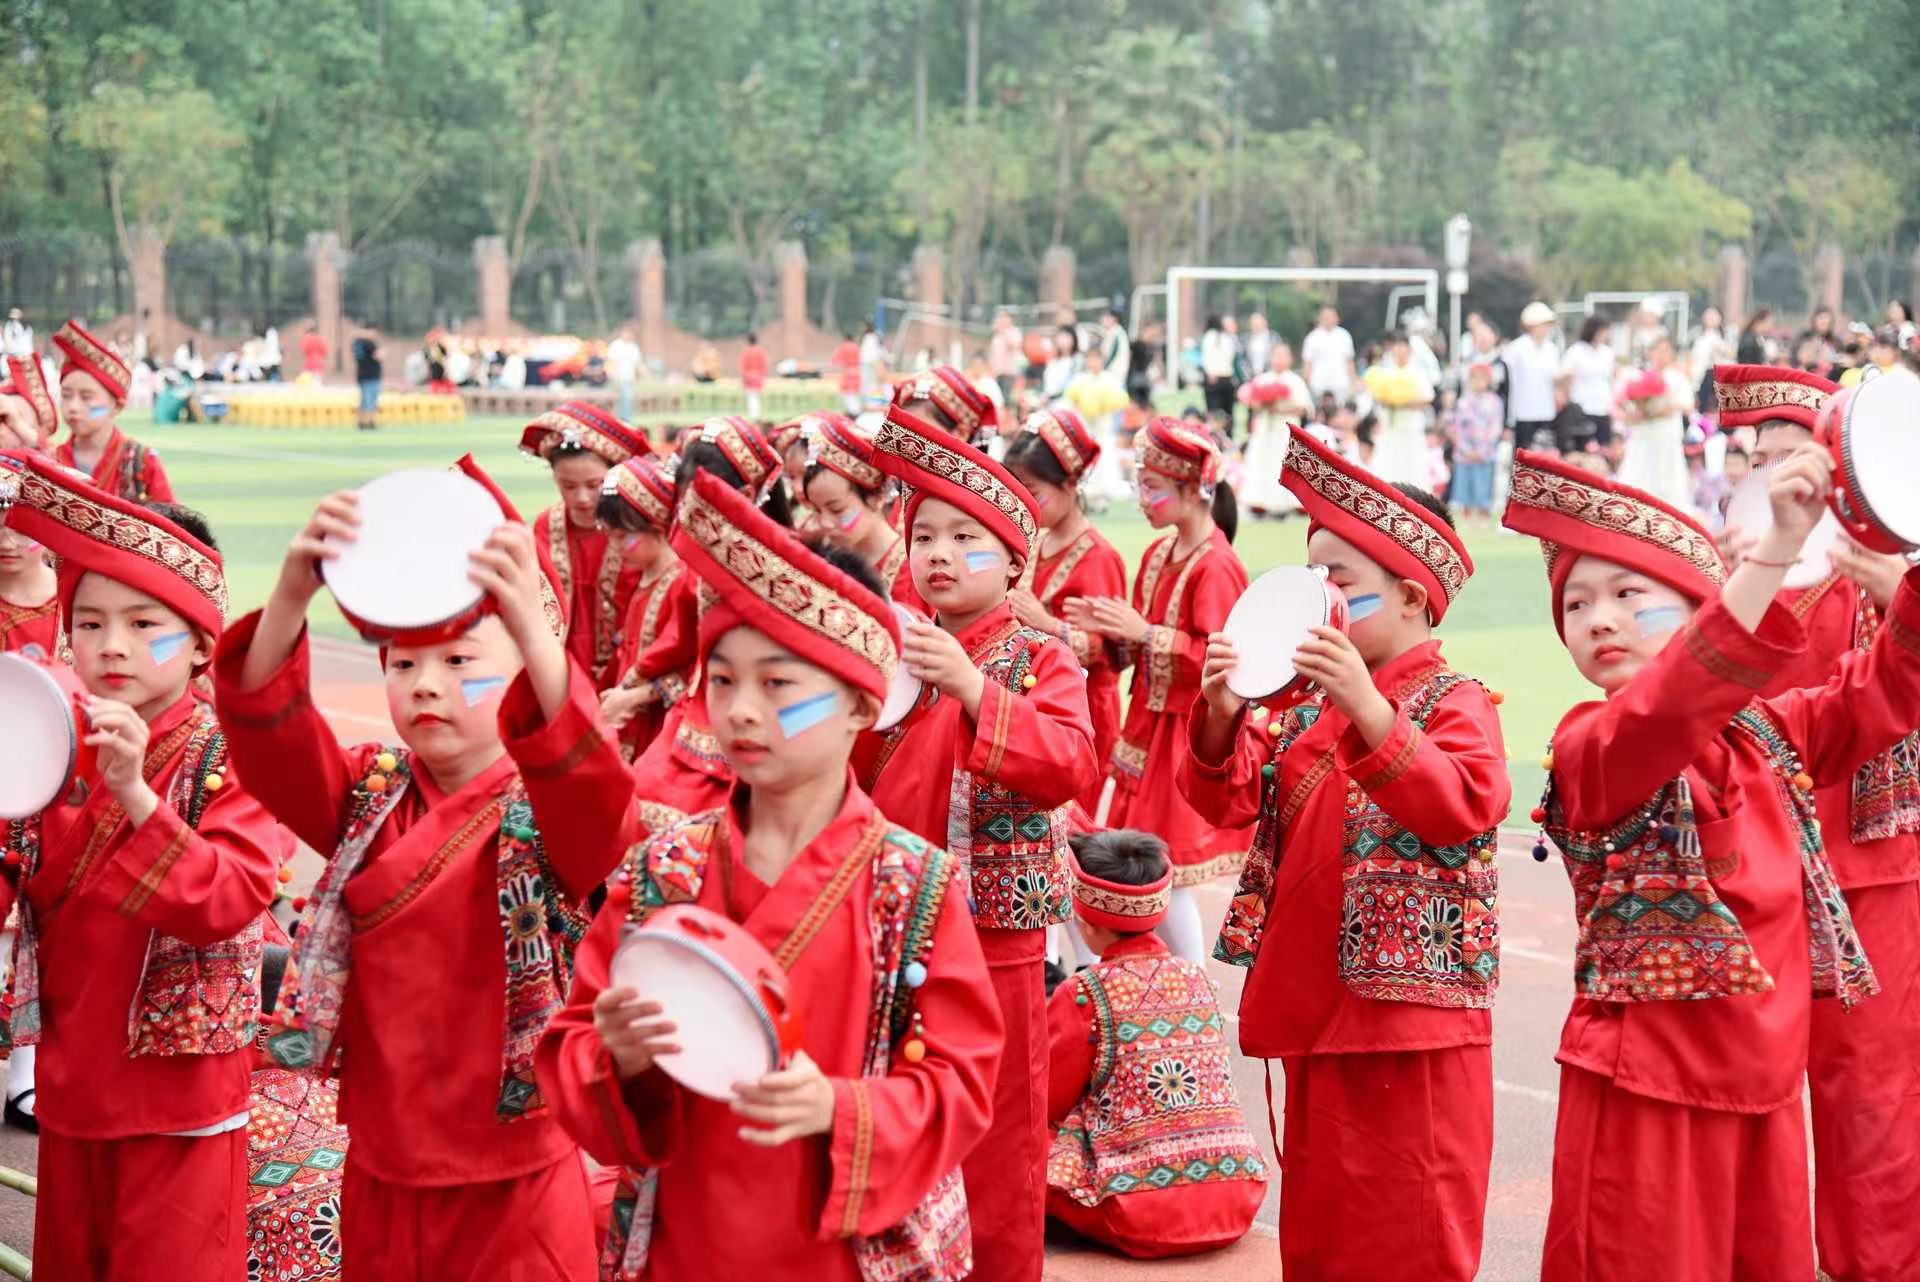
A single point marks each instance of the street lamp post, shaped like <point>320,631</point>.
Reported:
<point>1459,242</point>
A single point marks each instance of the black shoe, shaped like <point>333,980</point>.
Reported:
<point>19,1117</point>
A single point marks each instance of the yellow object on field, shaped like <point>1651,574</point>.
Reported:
<point>339,407</point>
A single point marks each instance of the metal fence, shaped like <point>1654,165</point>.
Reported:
<point>53,275</point>
<point>234,288</point>
<point>411,286</point>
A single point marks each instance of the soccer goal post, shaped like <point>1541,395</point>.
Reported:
<point>1427,278</point>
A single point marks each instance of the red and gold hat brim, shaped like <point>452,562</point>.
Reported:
<point>748,449</point>
<point>1376,518</point>
<point>936,464</point>
<point>89,355</point>
<point>764,578</point>
<point>92,531</point>
<point>1066,437</point>
<point>27,380</point>
<point>836,444</point>
<point>1754,394</point>
<point>1127,909</point>
<point>1576,513</point>
<point>948,390</point>
<point>1177,452</point>
<point>646,488</point>
<point>582,425</point>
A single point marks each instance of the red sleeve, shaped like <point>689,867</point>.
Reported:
<point>893,1137</point>
<point>1215,586</point>
<point>1101,573</point>
<point>676,646</point>
<point>281,746</point>
<point>582,792</point>
<point>1037,742</point>
<point>1069,1050</point>
<point>1229,790</point>
<point>198,885</point>
<point>1610,756</point>
<point>1444,784</point>
<point>159,488</point>
<point>1868,704</point>
<point>637,1122</point>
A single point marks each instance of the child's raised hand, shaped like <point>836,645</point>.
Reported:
<point>792,1103</point>
<point>508,567</point>
<point>1220,662</point>
<point>118,736</point>
<point>1877,572</point>
<point>1328,659</point>
<point>337,519</point>
<point>632,1030</point>
<point>933,655</point>
<point>1798,490</point>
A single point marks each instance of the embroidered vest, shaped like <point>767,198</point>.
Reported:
<point>189,1000</point>
<point>1886,789</point>
<point>1159,1108</point>
<point>1652,927</point>
<point>1418,923</point>
<point>934,1242</point>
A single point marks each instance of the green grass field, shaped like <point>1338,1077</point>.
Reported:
<point>258,485</point>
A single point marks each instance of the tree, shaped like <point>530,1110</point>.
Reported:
<point>155,187</point>
<point>1652,231</point>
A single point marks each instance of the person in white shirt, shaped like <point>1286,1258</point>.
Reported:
<point>271,357</point>
<point>1327,354</point>
<point>1116,349</point>
<point>1588,368</point>
<point>1533,365</point>
<point>623,371</point>
<point>1004,355</point>
<point>1219,345</point>
<point>16,337</point>
<point>1712,346</point>
<point>1259,345</point>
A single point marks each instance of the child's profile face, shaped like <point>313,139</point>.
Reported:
<point>86,407</point>
<point>1478,380</point>
<point>781,720</point>
<point>959,568</point>
<point>1055,501</point>
<point>445,699</point>
<point>131,648</point>
<point>1773,442</point>
<point>1385,613</point>
<point>840,514</point>
<point>578,477</point>
<point>1615,620</point>
<point>1162,500</point>
<point>1737,468</point>
<point>18,553</point>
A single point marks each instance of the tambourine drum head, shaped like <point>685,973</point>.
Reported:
<point>1881,452</point>
<point>408,567</point>
<point>40,743</point>
<point>1268,624</point>
<point>906,688</point>
<point>724,1034</point>
<point>1749,509</point>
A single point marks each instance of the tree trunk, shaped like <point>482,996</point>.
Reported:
<point>973,62</point>
<point>920,211</point>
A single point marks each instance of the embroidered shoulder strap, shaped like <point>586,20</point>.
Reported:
<point>133,472</point>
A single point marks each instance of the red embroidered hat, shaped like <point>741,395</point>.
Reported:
<point>584,426</point>
<point>551,598</point>
<point>1371,514</point>
<point>1131,910</point>
<point>748,449</point>
<point>784,436</point>
<point>833,441</point>
<point>89,355</point>
<point>1757,393</point>
<point>766,579</point>
<point>938,465</point>
<point>646,487</point>
<point>1174,450</point>
<point>93,531</point>
<point>1066,436</point>
<point>27,380</point>
<point>1576,513</point>
<point>964,406</point>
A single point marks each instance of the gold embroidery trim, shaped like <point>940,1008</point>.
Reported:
<point>1120,905</point>
<point>1616,513</point>
<point>1164,636</point>
<point>488,817</point>
<point>956,469</point>
<point>126,532</point>
<point>1002,720</point>
<point>861,1162</point>
<point>1719,664</point>
<point>1383,512</point>
<point>144,889</point>
<point>1401,763</point>
<point>1770,394</point>
<point>1070,559</point>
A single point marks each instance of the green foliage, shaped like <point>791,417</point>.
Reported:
<point>1610,231</point>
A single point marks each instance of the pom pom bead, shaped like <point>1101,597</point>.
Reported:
<point>299,903</point>
<point>1274,728</point>
<point>1538,814</point>
<point>285,875</point>
<point>915,1051</point>
<point>1266,771</point>
<point>386,762</point>
<point>1616,862</point>
<point>1540,852</point>
<point>1803,781</point>
<point>376,783</point>
<point>1496,698</point>
<point>915,974</point>
<point>1029,681</point>
<point>213,783</point>
<point>1546,762</point>
<point>1669,834</point>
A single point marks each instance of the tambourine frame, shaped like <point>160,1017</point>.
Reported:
<point>1848,500</point>
<point>755,1000</point>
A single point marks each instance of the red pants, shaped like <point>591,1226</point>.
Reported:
<point>1006,1175</point>
<point>1866,1102</point>
<point>532,1228</point>
<point>110,1210</point>
<point>1384,1164</point>
<point>1155,1224</point>
<point>1647,1189</point>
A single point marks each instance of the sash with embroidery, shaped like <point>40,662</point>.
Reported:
<point>910,877</point>
<point>1652,927</point>
<point>605,589</point>
<point>1886,789</point>
<point>1153,659</point>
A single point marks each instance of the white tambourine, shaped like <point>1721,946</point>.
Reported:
<point>906,689</point>
<point>41,753</point>
<point>1873,433</point>
<point>1751,512</point>
<point>405,577</point>
<point>1271,620</point>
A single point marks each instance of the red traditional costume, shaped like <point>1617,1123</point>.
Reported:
<point>995,789</point>
<point>28,381</point>
<point>836,443</point>
<point>1863,1080</point>
<point>1086,566</point>
<point>647,488</point>
<point>591,577</point>
<point>140,946</point>
<point>31,628</point>
<point>125,467</point>
<point>1709,915</point>
<point>881,962</point>
<point>964,409</point>
<point>1368,913</point>
<point>1150,1153</point>
<point>434,950</point>
<point>1184,602</point>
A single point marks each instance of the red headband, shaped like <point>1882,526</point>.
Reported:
<point>1067,437</point>
<point>965,406</point>
<point>89,355</point>
<point>646,487</point>
<point>750,452</point>
<point>1131,910</point>
<point>834,442</point>
<point>1174,450</point>
<point>585,426</point>
<point>766,579</point>
<point>1758,393</point>
<point>938,465</point>
<point>1371,514</point>
<point>27,380</point>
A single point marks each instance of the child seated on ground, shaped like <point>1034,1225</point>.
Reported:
<point>1151,1153</point>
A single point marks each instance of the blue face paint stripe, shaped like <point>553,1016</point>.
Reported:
<point>1359,607</point>
<point>477,690</point>
<point>1659,619</point>
<point>978,561</point>
<point>798,718</point>
<point>167,648</point>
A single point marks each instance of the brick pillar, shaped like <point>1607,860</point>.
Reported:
<point>930,293</point>
<point>326,265</point>
<point>1829,277</point>
<point>1056,276</point>
<point>1913,279</point>
<point>496,285</point>
<point>1733,285</point>
<point>148,266</point>
<point>790,259</point>
<point>648,263</point>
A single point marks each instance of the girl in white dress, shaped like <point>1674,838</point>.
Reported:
<point>1656,456</point>
<point>1267,437</point>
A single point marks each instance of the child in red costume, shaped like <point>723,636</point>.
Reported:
<point>1709,915</point>
<point>842,1164</point>
<point>93,391</point>
<point>1863,1080</point>
<point>142,895</point>
<point>1150,1152</point>
<point>636,500</point>
<point>28,418</point>
<point>1188,581</point>
<point>988,762</point>
<point>439,940</point>
<point>847,495</point>
<point>1367,909</point>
